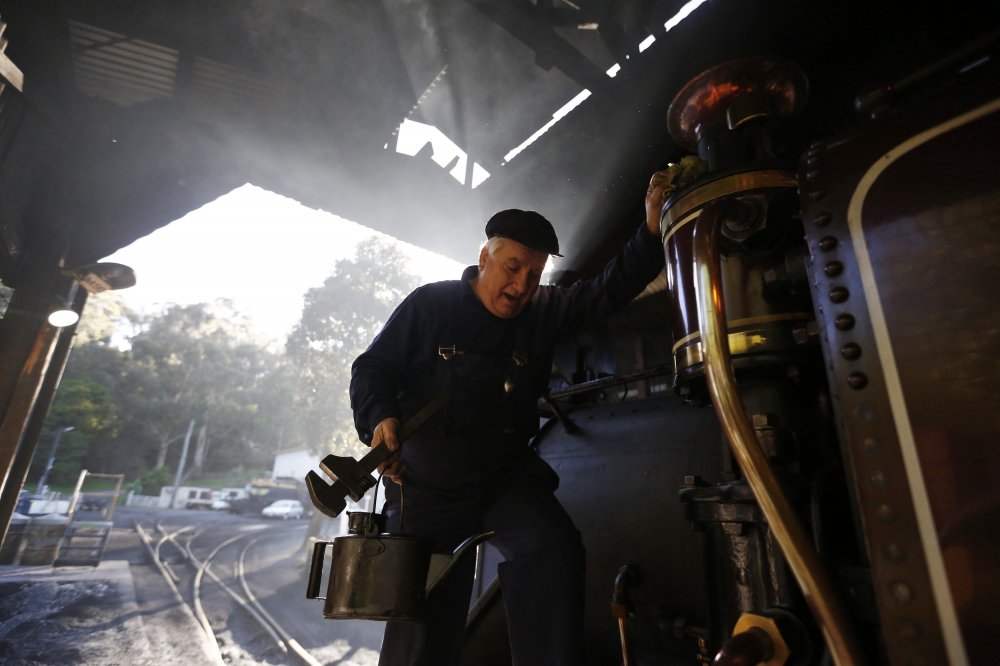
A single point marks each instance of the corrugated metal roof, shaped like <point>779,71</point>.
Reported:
<point>121,69</point>
<point>128,71</point>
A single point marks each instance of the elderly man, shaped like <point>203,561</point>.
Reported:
<point>485,342</point>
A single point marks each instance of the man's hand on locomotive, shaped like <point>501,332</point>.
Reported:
<point>387,431</point>
<point>665,181</point>
<point>660,185</point>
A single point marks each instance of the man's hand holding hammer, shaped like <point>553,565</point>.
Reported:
<point>387,432</point>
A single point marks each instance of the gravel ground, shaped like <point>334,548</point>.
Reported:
<point>122,612</point>
<point>91,615</point>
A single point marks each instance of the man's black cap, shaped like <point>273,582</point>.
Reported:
<point>526,227</point>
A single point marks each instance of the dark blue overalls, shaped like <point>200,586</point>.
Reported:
<point>469,470</point>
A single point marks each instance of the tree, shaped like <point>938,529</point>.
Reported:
<point>339,319</point>
<point>87,406</point>
<point>107,321</point>
<point>199,361</point>
<point>185,362</point>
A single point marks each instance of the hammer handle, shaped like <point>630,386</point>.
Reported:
<point>379,454</point>
<point>375,457</point>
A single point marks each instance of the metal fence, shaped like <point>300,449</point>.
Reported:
<point>143,501</point>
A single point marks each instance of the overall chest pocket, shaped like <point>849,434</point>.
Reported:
<point>484,392</point>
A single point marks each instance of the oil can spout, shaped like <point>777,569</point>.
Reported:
<point>441,565</point>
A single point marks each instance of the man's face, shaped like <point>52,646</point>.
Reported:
<point>508,279</point>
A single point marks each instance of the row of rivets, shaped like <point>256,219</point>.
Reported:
<point>892,552</point>
<point>813,172</point>
<point>900,590</point>
<point>840,294</point>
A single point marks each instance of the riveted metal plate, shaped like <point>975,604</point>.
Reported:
<point>903,249</point>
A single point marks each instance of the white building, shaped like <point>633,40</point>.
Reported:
<point>294,464</point>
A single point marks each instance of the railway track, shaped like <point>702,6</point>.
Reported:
<point>220,575</point>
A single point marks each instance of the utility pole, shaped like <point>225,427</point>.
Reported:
<point>180,465</point>
<point>52,458</point>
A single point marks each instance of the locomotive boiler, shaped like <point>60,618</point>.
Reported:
<point>784,452</point>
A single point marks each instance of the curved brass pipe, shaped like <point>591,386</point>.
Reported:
<point>819,592</point>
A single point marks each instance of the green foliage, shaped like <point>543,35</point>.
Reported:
<point>152,482</point>
<point>87,406</point>
<point>106,317</point>
<point>339,320</point>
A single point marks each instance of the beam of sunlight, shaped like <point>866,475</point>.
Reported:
<point>612,72</point>
<point>556,117</point>
<point>683,13</point>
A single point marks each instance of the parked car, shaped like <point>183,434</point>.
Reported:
<point>222,499</point>
<point>284,509</point>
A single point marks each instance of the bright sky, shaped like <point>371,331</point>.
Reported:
<point>261,250</point>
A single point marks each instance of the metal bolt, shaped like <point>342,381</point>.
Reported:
<point>877,479</point>
<point>901,592</point>
<point>827,243</point>
<point>813,175</point>
<point>844,322</point>
<point>850,351</point>
<point>885,513</point>
<point>834,268</point>
<point>822,219</point>
<point>864,413</point>
<point>857,380</point>
<point>907,630</point>
<point>816,195</point>
<point>893,552</point>
<point>871,445</point>
<point>839,294</point>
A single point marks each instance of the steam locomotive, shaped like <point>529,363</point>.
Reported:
<point>804,469</point>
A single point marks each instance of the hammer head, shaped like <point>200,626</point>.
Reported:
<point>352,478</point>
<point>353,475</point>
<point>329,499</point>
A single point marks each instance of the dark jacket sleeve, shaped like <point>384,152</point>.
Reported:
<point>378,374</point>
<point>568,310</point>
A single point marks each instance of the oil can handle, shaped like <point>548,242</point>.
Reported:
<point>316,570</point>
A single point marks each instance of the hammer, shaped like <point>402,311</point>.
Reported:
<point>353,478</point>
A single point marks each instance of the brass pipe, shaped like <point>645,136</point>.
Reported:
<point>817,588</point>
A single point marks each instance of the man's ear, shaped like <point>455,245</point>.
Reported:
<point>482,257</point>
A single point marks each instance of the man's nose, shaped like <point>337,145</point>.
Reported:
<point>521,283</point>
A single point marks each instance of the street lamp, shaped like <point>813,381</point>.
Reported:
<point>52,458</point>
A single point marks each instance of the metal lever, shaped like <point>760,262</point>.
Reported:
<point>621,611</point>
